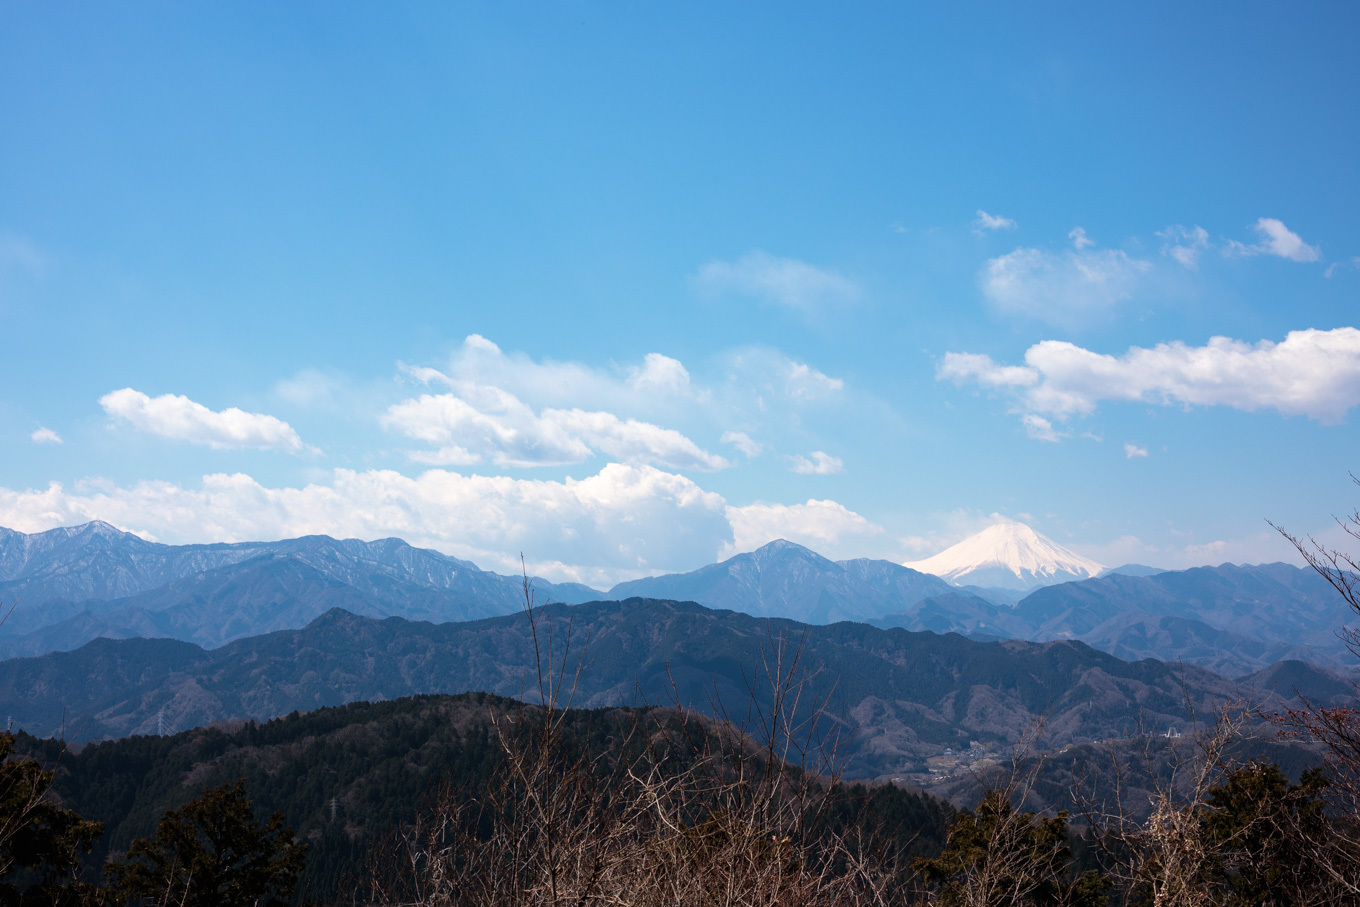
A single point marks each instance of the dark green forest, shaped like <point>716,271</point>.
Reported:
<point>346,778</point>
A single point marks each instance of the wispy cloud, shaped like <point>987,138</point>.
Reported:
<point>1184,244</point>
<point>1079,238</point>
<point>1275,239</point>
<point>817,463</point>
<point>743,442</point>
<point>991,222</point>
<point>1064,288</point>
<point>1133,451</point>
<point>787,282</point>
<point>45,436</point>
<point>179,418</point>
<point>1311,373</point>
<point>1040,429</point>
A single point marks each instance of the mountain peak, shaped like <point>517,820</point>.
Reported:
<point>781,545</point>
<point>1011,555</point>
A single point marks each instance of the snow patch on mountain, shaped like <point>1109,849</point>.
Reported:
<point>1008,555</point>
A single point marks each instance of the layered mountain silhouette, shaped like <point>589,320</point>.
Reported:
<point>81,583</point>
<point>76,584</point>
<point>897,697</point>
<point>783,579</point>
<point>1232,619</point>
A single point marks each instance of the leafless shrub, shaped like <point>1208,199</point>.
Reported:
<point>680,809</point>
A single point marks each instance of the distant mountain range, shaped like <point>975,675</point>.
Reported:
<point>92,581</point>
<point>787,580</point>
<point>1232,619</point>
<point>901,696</point>
<point>80,583</point>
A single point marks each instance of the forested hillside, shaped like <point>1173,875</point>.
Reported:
<point>345,778</point>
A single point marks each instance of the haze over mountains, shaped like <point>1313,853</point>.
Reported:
<point>906,696</point>
<point>80,583</point>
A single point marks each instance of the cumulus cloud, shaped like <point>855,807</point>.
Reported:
<point>1132,450</point>
<point>177,417</point>
<point>743,442</point>
<point>1278,240</point>
<point>1311,373</point>
<point>1063,288</point>
<point>1184,244</point>
<point>824,526</point>
<point>657,382</point>
<point>987,221</point>
<point>783,281</point>
<point>477,421</point>
<point>623,522</point>
<point>45,436</point>
<point>1079,238</point>
<point>817,463</point>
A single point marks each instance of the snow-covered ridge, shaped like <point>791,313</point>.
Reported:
<point>1009,555</point>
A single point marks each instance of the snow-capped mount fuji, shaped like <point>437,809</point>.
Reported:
<point>1008,555</point>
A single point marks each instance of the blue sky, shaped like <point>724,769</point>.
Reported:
<point>629,288</point>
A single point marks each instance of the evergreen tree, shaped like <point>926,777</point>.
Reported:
<point>1001,857</point>
<point>41,844</point>
<point>212,852</point>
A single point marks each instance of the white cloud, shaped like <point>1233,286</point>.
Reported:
<point>657,382</point>
<point>45,436</point>
<point>1040,429</point>
<point>1132,450</point>
<point>1312,373</point>
<point>1064,288</point>
<point>1185,244</point>
<point>623,522</point>
<point>1278,240</point>
<point>177,417</point>
<point>977,367</point>
<point>749,447</point>
<point>1079,238</point>
<point>661,374</point>
<point>824,526</point>
<point>817,463</point>
<point>805,381</point>
<point>783,281</point>
<point>987,221</point>
<point>478,421</point>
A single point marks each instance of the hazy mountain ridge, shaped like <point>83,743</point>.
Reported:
<point>784,579</point>
<point>1232,619</point>
<point>906,696</point>
<point>81,582</point>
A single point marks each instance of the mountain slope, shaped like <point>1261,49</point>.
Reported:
<point>1008,555</point>
<point>783,579</point>
<point>904,696</point>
